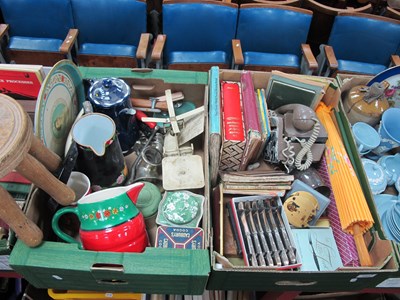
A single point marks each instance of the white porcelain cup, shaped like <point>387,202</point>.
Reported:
<point>80,184</point>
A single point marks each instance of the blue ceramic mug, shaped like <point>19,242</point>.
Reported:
<point>389,131</point>
<point>367,138</point>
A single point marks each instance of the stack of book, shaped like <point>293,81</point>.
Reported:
<point>256,182</point>
<point>245,123</point>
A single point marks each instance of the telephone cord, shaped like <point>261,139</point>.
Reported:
<point>288,163</point>
<point>306,148</point>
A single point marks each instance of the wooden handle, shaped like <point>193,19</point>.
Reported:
<point>363,255</point>
<point>136,102</point>
<point>25,229</point>
<point>34,171</point>
<point>47,157</point>
<point>160,101</point>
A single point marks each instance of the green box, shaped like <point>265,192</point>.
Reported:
<point>60,265</point>
<point>228,276</point>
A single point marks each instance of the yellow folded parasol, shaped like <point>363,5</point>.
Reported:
<point>355,216</point>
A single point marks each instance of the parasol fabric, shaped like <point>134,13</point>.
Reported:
<point>355,216</point>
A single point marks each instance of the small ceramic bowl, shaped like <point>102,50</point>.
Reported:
<point>391,166</point>
<point>376,176</point>
<point>180,208</point>
<point>312,178</point>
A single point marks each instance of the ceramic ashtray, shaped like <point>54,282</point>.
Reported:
<point>180,208</point>
<point>376,176</point>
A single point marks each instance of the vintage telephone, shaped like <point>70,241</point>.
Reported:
<point>299,137</point>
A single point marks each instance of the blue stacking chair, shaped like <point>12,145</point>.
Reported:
<point>37,32</point>
<point>111,33</point>
<point>196,35</point>
<point>273,37</point>
<point>360,44</point>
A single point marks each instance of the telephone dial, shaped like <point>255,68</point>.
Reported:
<point>297,137</point>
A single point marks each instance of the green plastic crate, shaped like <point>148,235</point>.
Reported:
<point>59,265</point>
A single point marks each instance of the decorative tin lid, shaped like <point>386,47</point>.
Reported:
<point>180,208</point>
<point>300,208</point>
<point>107,92</point>
<point>149,199</point>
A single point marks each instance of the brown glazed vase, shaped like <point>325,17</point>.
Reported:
<point>366,104</point>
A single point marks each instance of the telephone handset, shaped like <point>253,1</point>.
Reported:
<point>300,117</point>
<point>300,122</point>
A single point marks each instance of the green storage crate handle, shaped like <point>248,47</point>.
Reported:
<point>295,283</point>
<point>112,281</point>
<point>106,273</point>
<point>101,267</point>
<point>142,70</point>
<point>142,87</point>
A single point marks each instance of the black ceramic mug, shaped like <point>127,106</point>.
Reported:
<point>110,96</point>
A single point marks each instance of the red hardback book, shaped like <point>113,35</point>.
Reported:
<point>234,139</point>
<point>21,82</point>
<point>251,121</point>
<point>232,111</point>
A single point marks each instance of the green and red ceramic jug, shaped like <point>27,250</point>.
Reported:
<point>109,221</point>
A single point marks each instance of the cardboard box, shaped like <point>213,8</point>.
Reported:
<point>228,275</point>
<point>346,82</point>
<point>63,266</point>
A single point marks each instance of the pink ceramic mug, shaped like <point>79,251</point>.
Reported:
<point>110,221</point>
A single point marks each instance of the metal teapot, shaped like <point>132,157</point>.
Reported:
<point>110,96</point>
